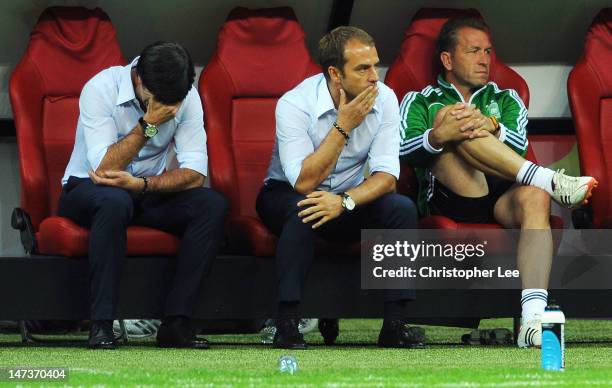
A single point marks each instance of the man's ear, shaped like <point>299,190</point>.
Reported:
<point>334,74</point>
<point>138,80</point>
<point>447,61</point>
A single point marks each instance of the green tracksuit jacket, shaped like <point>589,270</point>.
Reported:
<point>418,110</point>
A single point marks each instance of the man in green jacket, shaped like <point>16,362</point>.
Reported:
<point>467,140</point>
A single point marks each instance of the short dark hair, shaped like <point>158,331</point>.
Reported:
<point>166,70</point>
<point>331,46</point>
<point>447,39</point>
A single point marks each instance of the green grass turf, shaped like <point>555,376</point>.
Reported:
<point>239,360</point>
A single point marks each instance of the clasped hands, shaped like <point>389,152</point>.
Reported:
<point>460,121</point>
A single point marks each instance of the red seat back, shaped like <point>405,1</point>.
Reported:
<point>260,55</point>
<point>418,66</point>
<point>67,47</point>
<point>590,97</point>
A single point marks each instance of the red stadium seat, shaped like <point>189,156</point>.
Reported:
<point>590,96</point>
<point>260,55</point>
<point>67,47</point>
<point>417,66</point>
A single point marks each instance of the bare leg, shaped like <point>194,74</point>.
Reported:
<point>494,154</point>
<point>528,207</point>
<point>462,167</point>
<point>459,176</point>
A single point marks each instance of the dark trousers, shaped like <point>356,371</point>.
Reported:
<point>197,215</point>
<point>277,207</point>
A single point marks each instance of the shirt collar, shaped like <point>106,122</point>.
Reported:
<point>449,87</point>
<point>443,83</point>
<point>126,88</point>
<point>325,103</point>
<point>324,99</point>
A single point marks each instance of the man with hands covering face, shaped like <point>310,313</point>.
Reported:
<point>327,129</point>
<point>129,118</point>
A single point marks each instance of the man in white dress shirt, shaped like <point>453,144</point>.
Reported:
<point>327,129</point>
<point>129,117</point>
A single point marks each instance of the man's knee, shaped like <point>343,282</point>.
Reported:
<point>295,225</point>
<point>476,142</point>
<point>532,202</point>
<point>209,203</point>
<point>114,202</point>
<point>398,211</point>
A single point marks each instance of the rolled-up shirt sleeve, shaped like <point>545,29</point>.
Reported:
<point>190,136</point>
<point>294,143</point>
<point>99,129</point>
<point>384,151</point>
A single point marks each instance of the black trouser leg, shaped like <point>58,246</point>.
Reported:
<point>391,211</point>
<point>106,211</point>
<point>197,215</point>
<point>277,207</point>
<point>295,250</point>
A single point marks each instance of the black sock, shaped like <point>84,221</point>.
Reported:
<point>395,310</point>
<point>288,310</point>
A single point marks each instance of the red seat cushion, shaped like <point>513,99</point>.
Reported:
<point>61,236</point>
<point>260,55</point>
<point>590,96</point>
<point>441,222</point>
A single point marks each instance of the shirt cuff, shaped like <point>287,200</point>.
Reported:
<point>292,171</point>
<point>197,161</point>
<point>502,132</point>
<point>428,146</point>
<point>95,155</point>
<point>385,164</point>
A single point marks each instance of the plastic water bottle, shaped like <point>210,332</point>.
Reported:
<point>287,364</point>
<point>553,339</point>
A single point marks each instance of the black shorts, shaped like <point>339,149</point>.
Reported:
<point>445,202</point>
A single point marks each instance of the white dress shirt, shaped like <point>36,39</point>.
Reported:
<point>304,116</point>
<point>109,110</point>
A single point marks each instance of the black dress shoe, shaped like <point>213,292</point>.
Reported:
<point>287,335</point>
<point>396,334</point>
<point>101,335</point>
<point>176,332</point>
<point>329,330</point>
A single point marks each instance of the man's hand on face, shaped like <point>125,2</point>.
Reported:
<point>351,114</point>
<point>320,205</point>
<point>158,113</point>
<point>121,179</point>
<point>448,128</point>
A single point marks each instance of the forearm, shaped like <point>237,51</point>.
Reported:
<point>377,185</point>
<point>120,154</point>
<point>320,164</point>
<point>175,180</point>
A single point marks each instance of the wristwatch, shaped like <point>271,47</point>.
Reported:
<point>150,130</point>
<point>347,202</point>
